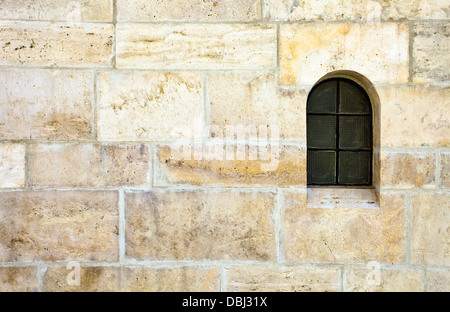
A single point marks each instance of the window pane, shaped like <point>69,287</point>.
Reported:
<point>321,131</point>
<point>354,132</point>
<point>321,167</point>
<point>352,99</point>
<point>323,98</point>
<point>354,168</point>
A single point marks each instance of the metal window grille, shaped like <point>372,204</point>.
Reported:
<point>339,134</point>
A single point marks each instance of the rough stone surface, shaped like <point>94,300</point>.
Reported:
<point>316,10</point>
<point>367,10</point>
<point>252,99</point>
<point>415,9</point>
<point>132,279</point>
<point>407,170</point>
<point>190,10</point>
<point>91,279</point>
<point>12,166</point>
<point>343,235</point>
<point>363,198</point>
<point>181,279</point>
<point>149,106</point>
<point>58,225</point>
<point>279,165</point>
<point>88,165</point>
<point>181,46</point>
<point>261,278</point>
<point>309,51</point>
<point>430,227</point>
<point>65,10</point>
<point>413,116</point>
<point>438,280</point>
<point>431,52</point>
<point>196,225</point>
<point>445,169</point>
<point>390,280</point>
<point>60,44</point>
<point>18,279</point>
<point>57,104</point>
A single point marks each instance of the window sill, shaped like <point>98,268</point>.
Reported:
<point>329,197</point>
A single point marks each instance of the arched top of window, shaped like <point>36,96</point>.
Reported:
<point>339,134</point>
<point>338,95</point>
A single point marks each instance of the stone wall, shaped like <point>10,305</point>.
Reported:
<point>97,97</point>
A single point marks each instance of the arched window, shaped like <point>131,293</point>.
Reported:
<point>339,134</point>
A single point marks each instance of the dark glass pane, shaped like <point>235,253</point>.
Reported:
<point>354,168</point>
<point>321,131</point>
<point>355,131</point>
<point>323,98</point>
<point>321,167</point>
<point>352,99</point>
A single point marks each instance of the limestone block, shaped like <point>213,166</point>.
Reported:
<point>198,225</point>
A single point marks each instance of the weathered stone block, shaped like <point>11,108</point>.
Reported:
<point>149,106</point>
<point>445,169</point>
<point>327,197</point>
<point>65,10</point>
<point>59,226</point>
<point>407,170</point>
<point>430,226</point>
<point>384,280</point>
<point>414,116</point>
<point>431,53</point>
<point>57,104</point>
<point>190,10</point>
<point>18,279</point>
<point>438,280</point>
<point>239,165</point>
<point>197,225</point>
<point>12,166</point>
<point>367,10</point>
<point>309,51</point>
<point>131,279</point>
<point>252,99</point>
<point>415,9</point>
<point>316,10</point>
<point>91,279</point>
<point>88,165</point>
<point>259,278</point>
<point>343,235</point>
<point>179,279</point>
<point>48,44</point>
<point>195,46</point>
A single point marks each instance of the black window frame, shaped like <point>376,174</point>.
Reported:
<point>337,148</point>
